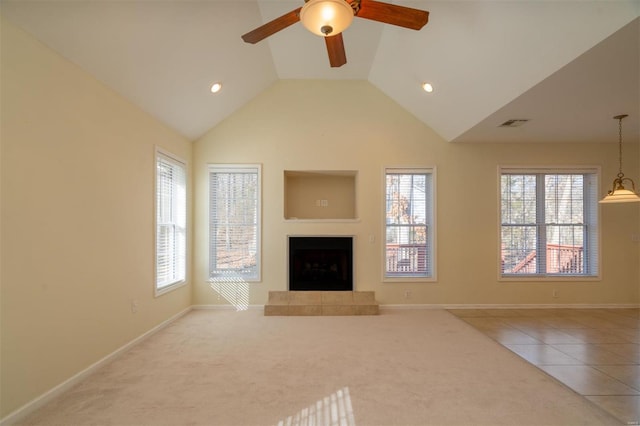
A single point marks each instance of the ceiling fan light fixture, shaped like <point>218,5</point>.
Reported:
<point>326,17</point>
<point>216,87</point>
<point>620,194</point>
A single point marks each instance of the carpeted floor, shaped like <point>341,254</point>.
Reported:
<point>403,367</point>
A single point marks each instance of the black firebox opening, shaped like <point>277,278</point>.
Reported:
<point>321,263</point>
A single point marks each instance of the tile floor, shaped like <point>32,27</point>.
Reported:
<point>595,352</point>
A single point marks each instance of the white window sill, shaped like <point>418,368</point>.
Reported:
<point>170,287</point>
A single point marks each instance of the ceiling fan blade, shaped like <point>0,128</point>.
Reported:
<point>335,48</point>
<point>393,14</point>
<point>272,27</point>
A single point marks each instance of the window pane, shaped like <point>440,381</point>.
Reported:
<point>519,249</point>
<point>564,200</point>
<point>171,221</point>
<point>234,219</point>
<point>518,199</point>
<point>565,249</point>
<point>408,216</point>
<point>545,230</point>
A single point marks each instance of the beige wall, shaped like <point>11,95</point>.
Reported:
<point>77,220</point>
<point>350,125</point>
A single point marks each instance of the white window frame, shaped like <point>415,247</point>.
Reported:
<point>593,251</point>
<point>179,222</point>
<point>255,275</point>
<point>431,226</point>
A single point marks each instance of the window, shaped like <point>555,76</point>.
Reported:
<point>171,221</point>
<point>549,223</point>
<point>234,222</point>
<point>409,223</point>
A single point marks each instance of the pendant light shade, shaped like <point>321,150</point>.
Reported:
<point>619,193</point>
<point>326,17</point>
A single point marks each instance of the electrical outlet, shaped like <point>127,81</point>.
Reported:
<point>555,293</point>
<point>134,306</point>
<point>407,294</point>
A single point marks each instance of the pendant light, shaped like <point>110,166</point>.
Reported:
<point>620,194</point>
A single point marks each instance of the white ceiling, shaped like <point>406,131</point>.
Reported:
<point>568,66</point>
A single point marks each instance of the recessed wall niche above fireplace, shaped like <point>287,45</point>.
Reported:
<point>320,263</point>
<point>320,195</point>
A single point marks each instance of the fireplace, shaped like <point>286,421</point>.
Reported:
<point>321,263</point>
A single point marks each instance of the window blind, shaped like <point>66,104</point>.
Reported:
<point>549,222</point>
<point>171,220</point>
<point>234,220</point>
<point>409,223</point>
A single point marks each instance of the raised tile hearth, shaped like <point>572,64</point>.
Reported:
<point>321,303</point>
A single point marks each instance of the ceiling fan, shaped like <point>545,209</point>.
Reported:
<point>328,18</point>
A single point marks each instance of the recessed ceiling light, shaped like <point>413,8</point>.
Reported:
<point>427,87</point>
<point>216,87</point>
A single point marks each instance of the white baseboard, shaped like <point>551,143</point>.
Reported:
<point>514,306</point>
<point>43,399</point>
<point>228,307</point>
<point>391,307</point>
<point>405,307</point>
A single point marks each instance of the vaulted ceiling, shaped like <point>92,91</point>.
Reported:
<point>567,66</point>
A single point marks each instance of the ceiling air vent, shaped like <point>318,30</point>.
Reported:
<point>516,122</point>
